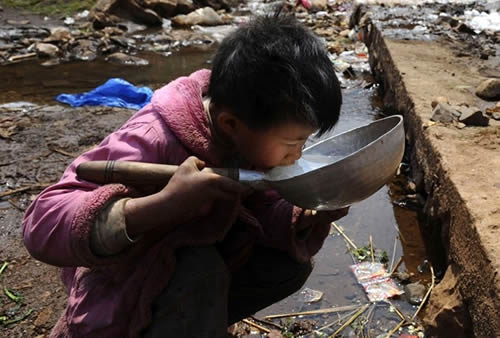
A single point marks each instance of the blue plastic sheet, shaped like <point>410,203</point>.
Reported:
<point>114,93</point>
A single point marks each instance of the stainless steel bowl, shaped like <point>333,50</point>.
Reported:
<point>367,158</point>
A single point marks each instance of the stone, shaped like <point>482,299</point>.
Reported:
<point>439,99</point>
<point>415,293</point>
<point>206,16</point>
<point>184,6</point>
<point>489,89</point>
<point>473,116</point>
<point>164,8</point>
<point>43,317</point>
<point>18,22</point>
<point>463,28</point>
<point>59,34</point>
<point>85,50</point>
<point>496,116</point>
<point>46,49</point>
<point>446,314</point>
<point>127,60</point>
<point>319,5</point>
<point>104,11</point>
<point>51,62</point>
<point>403,277</point>
<point>444,113</point>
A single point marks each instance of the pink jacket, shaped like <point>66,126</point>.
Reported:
<point>112,296</point>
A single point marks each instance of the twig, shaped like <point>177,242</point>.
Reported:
<point>313,312</point>
<point>396,328</point>
<point>4,266</point>
<point>7,163</point>
<point>15,320</point>
<point>11,201</point>
<point>371,249</point>
<point>61,151</point>
<point>339,320</point>
<point>393,252</point>
<point>350,320</point>
<point>30,187</point>
<point>20,57</point>
<point>399,313</point>
<point>426,295</point>
<point>261,328</point>
<point>400,234</point>
<point>344,235</point>
<point>400,260</point>
<point>267,322</point>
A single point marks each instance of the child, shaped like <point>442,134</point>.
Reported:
<point>203,252</point>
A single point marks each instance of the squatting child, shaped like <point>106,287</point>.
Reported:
<point>203,252</point>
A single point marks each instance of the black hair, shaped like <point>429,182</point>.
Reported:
<point>273,70</point>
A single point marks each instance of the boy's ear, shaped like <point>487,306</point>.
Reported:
<point>227,122</point>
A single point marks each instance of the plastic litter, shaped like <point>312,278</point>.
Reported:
<point>311,296</point>
<point>376,281</point>
<point>115,92</point>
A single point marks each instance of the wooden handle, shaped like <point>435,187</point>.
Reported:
<point>131,173</point>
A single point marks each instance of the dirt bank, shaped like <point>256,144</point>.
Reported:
<point>459,166</point>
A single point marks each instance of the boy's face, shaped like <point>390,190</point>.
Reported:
<point>277,146</point>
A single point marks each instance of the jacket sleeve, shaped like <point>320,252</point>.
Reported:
<point>278,218</point>
<point>56,226</point>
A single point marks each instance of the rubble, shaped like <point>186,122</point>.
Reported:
<point>126,60</point>
<point>489,89</point>
<point>206,16</point>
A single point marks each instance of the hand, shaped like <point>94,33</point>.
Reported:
<point>312,218</point>
<point>189,194</point>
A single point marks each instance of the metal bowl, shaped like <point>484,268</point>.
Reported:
<point>366,158</point>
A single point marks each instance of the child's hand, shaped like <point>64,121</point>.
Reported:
<point>312,218</point>
<point>189,194</point>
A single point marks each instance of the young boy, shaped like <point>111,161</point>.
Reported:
<point>203,252</point>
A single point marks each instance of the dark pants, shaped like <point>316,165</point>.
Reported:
<point>203,298</point>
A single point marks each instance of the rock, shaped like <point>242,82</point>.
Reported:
<point>85,50</point>
<point>51,62</point>
<point>489,89</point>
<point>461,125</point>
<point>203,16</point>
<point>127,60</point>
<point>59,34</point>
<point>46,49</point>
<point>43,317</point>
<point>439,99</point>
<point>403,277</point>
<point>104,13</point>
<point>184,6</point>
<point>112,31</point>
<point>444,113</point>
<point>473,116</point>
<point>274,334</point>
<point>446,315</point>
<point>318,5</point>
<point>463,28</point>
<point>164,8</point>
<point>18,22</point>
<point>415,293</point>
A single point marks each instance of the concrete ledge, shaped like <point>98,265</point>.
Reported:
<point>461,168</point>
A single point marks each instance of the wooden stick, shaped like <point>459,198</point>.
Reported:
<point>63,152</point>
<point>399,313</point>
<point>339,319</point>
<point>30,187</point>
<point>426,295</point>
<point>344,235</point>
<point>350,320</point>
<point>393,252</point>
<point>14,204</point>
<point>22,56</point>
<point>371,249</point>
<point>396,328</point>
<point>396,266</point>
<point>267,322</point>
<point>261,328</point>
<point>314,312</point>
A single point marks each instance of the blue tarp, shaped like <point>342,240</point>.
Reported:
<point>114,93</point>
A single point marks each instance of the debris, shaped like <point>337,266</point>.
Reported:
<point>260,327</point>
<point>375,280</point>
<point>30,187</point>
<point>46,49</point>
<point>444,113</point>
<point>403,277</point>
<point>433,280</point>
<point>439,99</point>
<point>311,296</point>
<point>18,22</point>
<point>489,89</point>
<point>205,16</point>
<point>6,321</point>
<point>473,116</point>
<point>21,57</point>
<point>126,60</point>
<point>350,320</point>
<point>12,296</point>
<point>348,240</point>
<point>314,312</point>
